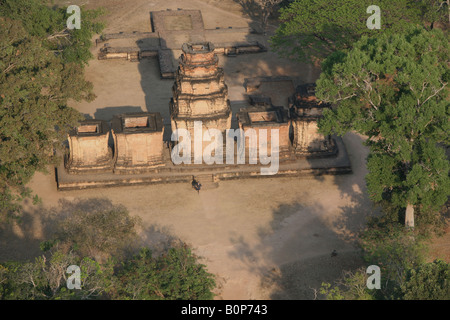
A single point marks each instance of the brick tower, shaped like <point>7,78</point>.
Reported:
<point>305,110</point>
<point>199,92</point>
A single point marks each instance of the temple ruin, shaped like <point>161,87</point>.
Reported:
<point>89,151</point>
<point>169,30</point>
<point>138,142</point>
<point>262,115</point>
<point>305,110</point>
<point>199,92</point>
<point>134,151</point>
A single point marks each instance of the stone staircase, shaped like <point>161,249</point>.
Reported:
<point>207,181</point>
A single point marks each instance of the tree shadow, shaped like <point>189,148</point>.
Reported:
<point>302,247</point>
<point>156,87</point>
<point>299,250</point>
<point>253,10</point>
<point>156,237</point>
<point>353,187</point>
<point>107,113</point>
<point>20,240</point>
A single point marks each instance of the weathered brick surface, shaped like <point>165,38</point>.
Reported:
<point>264,119</point>
<point>199,91</point>
<point>138,140</point>
<point>307,138</point>
<point>136,122</point>
<point>88,148</point>
<point>306,110</point>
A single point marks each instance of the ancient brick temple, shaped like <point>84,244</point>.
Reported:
<point>138,141</point>
<point>263,115</point>
<point>89,149</point>
<point>199,91</point>
<point>305,110</point>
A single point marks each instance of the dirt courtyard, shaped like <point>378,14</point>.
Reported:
<point>268,238</point>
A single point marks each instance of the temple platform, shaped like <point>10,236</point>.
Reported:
<point>207,174</point>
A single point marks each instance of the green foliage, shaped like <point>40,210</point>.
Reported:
<point>48,24</point>
<point>331,293</point>
<point>394,90</point>
<point>46,279</point>
<point>74,45</point>
<point>33,99</point>
<point>37,19</point>
<point>395,250</point>
<point>41,69</point>
<point>430,281</point>
<point>175,275</point>
<point>94,240</point>
<point>352,286</point>
<point>400,253</point>
<point>313,29</point>
<point>433,11</point>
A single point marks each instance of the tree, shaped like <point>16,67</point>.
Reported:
<point>395,250</point>
<point>94,240</point>
<point>176,275</point>
<point>433,11</point>
<point>45,278</point>
<point>352,286</point>
<point>311,30</point>
<point>430,281</point>
<point>404,273</point>
<point>394,90</point>
<point>32,104</point>
<point>36,82</point>
<point>49,26</point>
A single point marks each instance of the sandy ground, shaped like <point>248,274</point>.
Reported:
<point>263,238</point>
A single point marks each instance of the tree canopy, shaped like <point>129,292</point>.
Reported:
<point>94,240</point>
<point>429,281</point>
<point>394,90</point>
<point>49,26</point>
<point>401,255</point>
<point>38,77</point>
<point>175,275</point>
<point>310,30</point>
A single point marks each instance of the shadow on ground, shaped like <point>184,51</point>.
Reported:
<point>20,240</point>
<point>107,113</point>
<point>305,249</point>
<point>308,244</point>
